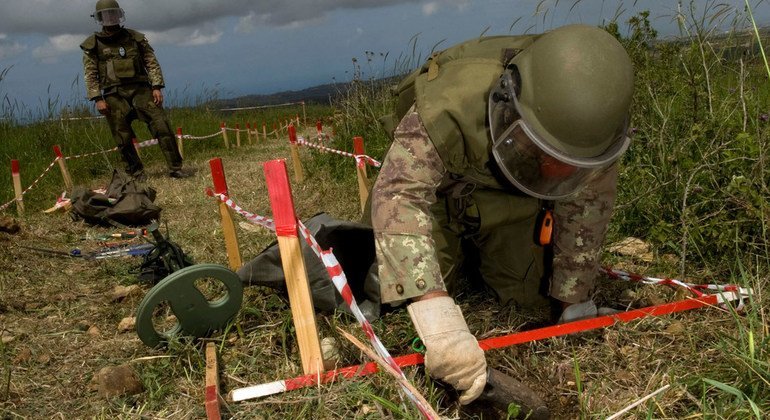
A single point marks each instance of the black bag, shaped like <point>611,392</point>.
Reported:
<point>353,246</point>
<point>127,202</point>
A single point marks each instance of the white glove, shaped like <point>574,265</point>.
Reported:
<point>583,310</point>
<point>452,353</point>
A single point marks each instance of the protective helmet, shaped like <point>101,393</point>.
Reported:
<point>108,13</point>
<point>558,115</point>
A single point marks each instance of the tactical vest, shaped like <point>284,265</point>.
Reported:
<point>450,92</point>
<point>119,57</point>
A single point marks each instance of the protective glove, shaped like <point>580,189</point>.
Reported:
<point>584,310</point>
<point>452,353</point>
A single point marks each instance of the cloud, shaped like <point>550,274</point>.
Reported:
<point>9,48</point>
<point>430,8</point>
<point>57,46</point>
<point>56,17</point>
<point>186,36</point>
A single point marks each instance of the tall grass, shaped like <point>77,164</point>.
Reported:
<point>695,181</point>
<point>694,184</point>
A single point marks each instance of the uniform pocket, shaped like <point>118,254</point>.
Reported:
<point>124,67</point>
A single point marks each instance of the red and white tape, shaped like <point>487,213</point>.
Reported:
<point>337,275</point>
<point>369,160</point>
<point>695,289</point>
<point>34,183</point>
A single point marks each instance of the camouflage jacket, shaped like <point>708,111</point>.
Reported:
<point>121,58</point>
<point>407,187</point>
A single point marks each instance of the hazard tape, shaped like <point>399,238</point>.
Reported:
<point>695,289</point>
<point>114,149</point>
<point>34,183</point>
<point>369,160</point>
<point>339,280</point>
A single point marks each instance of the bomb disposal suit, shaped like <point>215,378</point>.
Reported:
<point>493,131</point>
<point>120,68</point>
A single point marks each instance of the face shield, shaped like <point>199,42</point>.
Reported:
<point>109,17</point>
<point>532,164</point>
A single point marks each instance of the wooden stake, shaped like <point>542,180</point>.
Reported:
<point>63,167</point>
<point>300,298</point>
<point>319,128</point>
<point>238,135</point>
<point>224,135</point>
<point>212,383</point>
<point>179,141</point>
<point>363,178</point>
<point>392,372</point>
<point>228,226</point>
<point>248,133</point>
<point>264,131</point>
<point>304,115</point>
<point>299,174</point>
<point>17,187</point>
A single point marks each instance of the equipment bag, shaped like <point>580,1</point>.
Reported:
<point>353,246</point>
<point>127,202</point>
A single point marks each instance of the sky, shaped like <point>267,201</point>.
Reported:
<point>230,48</point>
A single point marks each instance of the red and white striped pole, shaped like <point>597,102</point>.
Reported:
<point>15,175</point>
<point>228,226</point>
<point>300,298</point>
<point>63,167</point>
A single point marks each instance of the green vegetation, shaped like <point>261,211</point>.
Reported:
<point>694,185</point>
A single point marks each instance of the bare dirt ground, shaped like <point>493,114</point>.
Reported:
<point>60,326</point>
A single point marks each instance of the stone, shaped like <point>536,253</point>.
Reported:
<point>127,324</point>
<point>121,292</point>
<point>116,381</point>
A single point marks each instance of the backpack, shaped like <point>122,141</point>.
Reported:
<point>499,48</point>
<point>127,202</point>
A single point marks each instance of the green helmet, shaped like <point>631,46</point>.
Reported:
<point>108,13</point>
<point>559,113</point>
<point>576,88</point>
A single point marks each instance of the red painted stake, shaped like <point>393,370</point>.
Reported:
<point>63,167</point>
<point>16,176</point>
<point>228,226</point>
<point>180,141</point>
<point>300,299</point>
<point>361,175</point>
<point>223,127</point>
<point>319,128</point>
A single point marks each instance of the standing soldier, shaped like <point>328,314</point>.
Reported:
<point>501,138</point>
<point>124,79</point>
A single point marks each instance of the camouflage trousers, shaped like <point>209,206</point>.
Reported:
<point>134,101</point>
<point>488,236</point>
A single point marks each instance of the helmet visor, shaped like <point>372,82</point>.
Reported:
<point>532,164</point>
<point>109,17</point>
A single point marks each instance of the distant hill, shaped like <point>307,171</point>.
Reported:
<point>322,94</point>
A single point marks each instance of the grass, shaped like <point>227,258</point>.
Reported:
<point>693,185</point>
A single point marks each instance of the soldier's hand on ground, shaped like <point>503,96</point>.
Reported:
<point>102,107</point>
<point>452,353</point>
<point>157,97</point>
